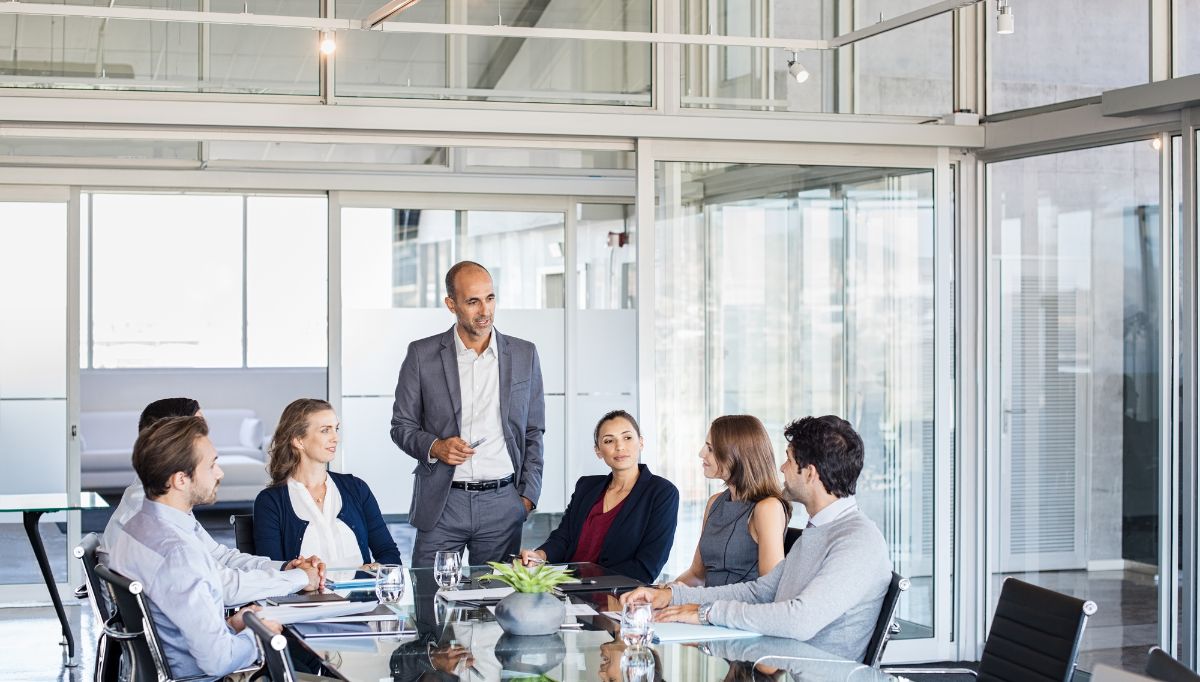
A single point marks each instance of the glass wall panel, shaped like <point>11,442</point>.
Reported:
<point>375,64</point>
<point>1186,43</point>
<point>1077,257</point>
<point>606,351</point>
<point>755,78</point>
<point>18,150</point>
<point>125,54</point>
<point>190,247</point>
<point>1106,47</point>
<point>286,282</point>
<point>394,262</point>
<point>787,291</point>
<point>33,374</point>
<point>905,71</point>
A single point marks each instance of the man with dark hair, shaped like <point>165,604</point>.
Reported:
<point>470,409</point>
<point>829,589</point>
<point>163,548</point>
<point>244,577</point>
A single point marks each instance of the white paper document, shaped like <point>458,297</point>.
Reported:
<point>690,632</point>
<point>490,593</point>
<point>286,615</point>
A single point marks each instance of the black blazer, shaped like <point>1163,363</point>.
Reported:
<point>640,538</point>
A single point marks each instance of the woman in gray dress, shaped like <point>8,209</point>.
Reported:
<point>744,524</point>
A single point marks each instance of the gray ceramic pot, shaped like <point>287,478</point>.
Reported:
<point>530,613</point>
<point>530,655</point>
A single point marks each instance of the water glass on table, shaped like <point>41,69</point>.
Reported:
<point>637,665</point>
<point>447,569</point>
<point>636,619</point>
<point>389,583</point>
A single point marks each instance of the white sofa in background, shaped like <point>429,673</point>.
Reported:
<point>106,451</point>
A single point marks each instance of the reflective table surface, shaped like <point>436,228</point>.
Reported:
<point>441,640</point>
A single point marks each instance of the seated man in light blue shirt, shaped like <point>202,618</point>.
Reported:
<point>244,577</point>
<point>162,548</point>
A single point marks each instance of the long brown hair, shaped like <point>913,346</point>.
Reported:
<point>293,423</point>
<point>742,447</point>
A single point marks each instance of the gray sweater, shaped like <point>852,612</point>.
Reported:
<point>827,591</point>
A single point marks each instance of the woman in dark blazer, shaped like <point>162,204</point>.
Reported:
<point>624,521</point>
<point>301,514</point>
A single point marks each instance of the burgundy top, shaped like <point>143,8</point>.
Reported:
<point>595,527</point>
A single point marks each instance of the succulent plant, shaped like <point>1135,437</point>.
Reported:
<point>544,578</point>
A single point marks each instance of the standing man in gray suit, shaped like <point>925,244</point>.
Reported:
<point>470,409</point>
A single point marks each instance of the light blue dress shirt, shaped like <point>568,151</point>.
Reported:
<point>162,548</point>
<point>244,577</point>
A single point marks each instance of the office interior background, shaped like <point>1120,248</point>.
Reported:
<point>196,199</point>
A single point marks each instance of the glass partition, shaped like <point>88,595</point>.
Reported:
<point>507,69</point>
<point>1108,47</point>
<point>905,71</point>
<point>33,374</point>
<point>1074,347</point>
<point>124,54</point>
<point>1186,43</point>
<point>787,291</point>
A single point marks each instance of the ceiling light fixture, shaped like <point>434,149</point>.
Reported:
<point>1004,18</point>
<point>797,69</point>
<point>328,44</point>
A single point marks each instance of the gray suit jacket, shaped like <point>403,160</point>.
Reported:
<point>429,406</point>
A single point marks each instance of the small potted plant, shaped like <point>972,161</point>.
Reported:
<point>532,609</point>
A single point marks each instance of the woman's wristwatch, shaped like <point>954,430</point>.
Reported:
<point>702,613</point>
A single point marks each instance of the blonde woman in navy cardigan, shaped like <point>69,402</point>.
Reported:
<point>624,521</point>
<point>309,509</point>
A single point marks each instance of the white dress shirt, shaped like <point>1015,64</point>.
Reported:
<point>326,536</point>
<point>163,548</point>
<point>479,389</point>
<point>244,577</point>
<point>842,505</point>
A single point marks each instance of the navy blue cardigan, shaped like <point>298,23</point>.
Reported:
<point>278,532</point>
<point>640,538</point>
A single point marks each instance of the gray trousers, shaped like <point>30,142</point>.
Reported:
<point>486,522</point>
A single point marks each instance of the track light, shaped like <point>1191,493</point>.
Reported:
<point>328,44</point>
<point>797,69</point>
<point>1004,18</point>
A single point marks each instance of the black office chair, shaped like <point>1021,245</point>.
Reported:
<point>243,532</point>
<point>108,649</point>
<point>128,626</point>
<point>1035,637</point>
<point>135,629</point>
<point>1162,666</point>
<point>279,665</point>
<point>885,625</point>
<point>790,536</point>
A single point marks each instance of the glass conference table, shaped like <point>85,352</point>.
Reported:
<point>441,640</point>
<point>32,507</point>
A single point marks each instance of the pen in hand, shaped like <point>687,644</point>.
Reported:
<point>477,443</point>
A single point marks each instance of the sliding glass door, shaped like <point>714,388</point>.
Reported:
<point>786,290</point>
<point>1080,386</point>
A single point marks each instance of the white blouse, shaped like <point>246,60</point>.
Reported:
<point>327,536</point>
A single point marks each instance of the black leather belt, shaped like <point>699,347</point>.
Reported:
<point>483,485</point>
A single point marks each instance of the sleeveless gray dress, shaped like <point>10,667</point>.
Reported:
<point>729,554</point>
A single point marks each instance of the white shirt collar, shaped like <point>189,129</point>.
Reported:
<point>834,510</point>
<point>462,347</point>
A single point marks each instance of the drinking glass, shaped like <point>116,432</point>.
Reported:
<point>635,623</point>
<point>447,569</point>
<point>637,664</point>
<point>389,583</point>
